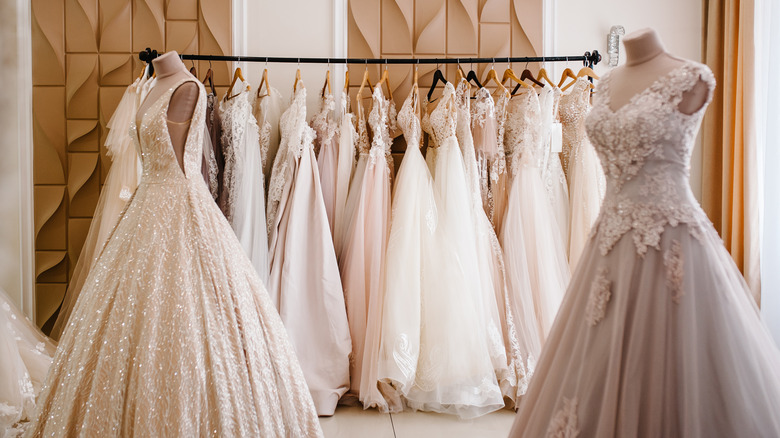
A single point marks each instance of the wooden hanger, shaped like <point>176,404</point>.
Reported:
<point>264,81</point>
<point>385,79</point>
<point>568,73</point>
<point>366,81</point>
<point>210,79</point>
<point>459,74</point>
<point>510,74</point>
<point>192,69</point>
<point>236,76</point>
<point>346,80</point>
<point>493,76</point>
<point>584,72</point>
<point>527,75</point>
<point>438,76</point>
<point>543,75</point>
<point>143,71</point>
<point>326,84</point>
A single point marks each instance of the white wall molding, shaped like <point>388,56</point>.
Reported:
<point>24,129</point>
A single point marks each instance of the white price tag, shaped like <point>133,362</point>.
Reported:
<point>556,138</point>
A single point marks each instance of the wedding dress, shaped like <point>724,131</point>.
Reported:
<point>120,184</point>
<point>345,166</point>
<point>586,178</point>
<point>305,285</point>
<point>267,109</point>
<point>455,370</point>
<point>174,333</point>
<point>243,177</point>
<point>26,356</point>
<point>552,172</point>
<point>658,334</point>
<point>363,257</point>
<point>530,213</point>
<point>491,159</point>
<point>326,145</point>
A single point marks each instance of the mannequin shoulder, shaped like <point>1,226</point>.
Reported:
<point>183,102</point>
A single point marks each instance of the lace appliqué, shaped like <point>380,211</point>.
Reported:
<point>599,298</point>
<point>565,423</point>
<point>674,263</point>
<point>234,114</point>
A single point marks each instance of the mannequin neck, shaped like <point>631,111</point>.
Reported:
<point>168,64</point>
<point>642,46</point>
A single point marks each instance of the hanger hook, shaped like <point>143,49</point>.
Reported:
<point>416,64</point>
<point>209,64</point>
<point>493,65</point>
<point>328,64</point>
<point>366,60</point>
<point>299,63</point>
<point>266,62</point>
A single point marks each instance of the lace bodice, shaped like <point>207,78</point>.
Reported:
<point>363,144</point>
<point>441,123</point>
<point>645,149</point>
<point>323,123</point>
<point>159,162</point>
<point>235,115</point>
<point>573,107</point>
<point>408,122</point>
<point>523,137</point>
<point>378,119</point>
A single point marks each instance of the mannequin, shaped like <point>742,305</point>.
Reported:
<point>169,71</point>
<point>646,61</point>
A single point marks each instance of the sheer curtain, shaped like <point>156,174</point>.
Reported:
<point>767,37</point>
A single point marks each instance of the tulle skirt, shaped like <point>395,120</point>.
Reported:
<point>665,345</point>
<point>558,193</point>
<point>586,191</point>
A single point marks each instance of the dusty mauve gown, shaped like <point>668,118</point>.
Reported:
<point>174,333</point>
<point>658,335</point>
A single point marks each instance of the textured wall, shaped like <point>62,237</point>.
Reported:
<point>440,28</point>
<point>84,55</point>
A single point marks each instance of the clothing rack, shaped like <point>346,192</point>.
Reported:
<point>588,59</point>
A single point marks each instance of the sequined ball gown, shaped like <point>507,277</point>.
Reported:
<point>658,335</point>
<point>174,333</point>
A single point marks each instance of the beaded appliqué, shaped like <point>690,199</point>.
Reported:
<point>674,263</point>
<point>565,423</point>
<point>599,298</point>
<point>645,148</point>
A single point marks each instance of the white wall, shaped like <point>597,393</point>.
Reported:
<point>583,25</point>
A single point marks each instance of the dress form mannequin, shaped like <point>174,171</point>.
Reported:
<point>646,61</point>
<point>169,71</point>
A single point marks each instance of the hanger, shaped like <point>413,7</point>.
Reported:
<point>526,74</point>
<point>385,79</point>
<point>584,72</point>
<point>326,84</point>
<point>236,76</point>
<point>543,75</point>
<point>192,69</point>
<point>510,74</point>
<point>472,77</point>
<point>493,76</point>
<point>459,73</point>
<point>297,77</point>
<point>346,80</point>
<point>438,76</point>
<point>568,73</point>
<point>264,81</point>
<point>366,81</point>
<point>210,78</point>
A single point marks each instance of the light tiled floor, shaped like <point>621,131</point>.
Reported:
<point>354,422</point>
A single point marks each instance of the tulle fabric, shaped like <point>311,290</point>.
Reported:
<point>491,159</point>
<point>241,137</point>
<point>344,168</point>
<point>267,109</point>
<point>305,285</point>
<point>703,367</point>
<point>121,181</point>
<point>363,146</point>
<point>326,144</point>
<point>174,333</point>
<point>552,172</point>
<point>27,355</point>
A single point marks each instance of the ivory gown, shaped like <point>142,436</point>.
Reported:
<point>326,145</point>
<point>658,335</point>
<point>174,333</point>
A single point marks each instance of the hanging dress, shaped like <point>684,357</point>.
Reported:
<point>326,146</point>
<point>244,177</point>
<point>529,211</point>
<point>305,285</point>
<point>267,109</point>
<point>174,333</point>
<point>121,181</point>
<point>344,168</point>
<point>586,179</point>
<point>552,171</point>
<point>363,257</point>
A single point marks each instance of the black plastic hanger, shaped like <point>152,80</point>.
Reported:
<point>438,76</point>
<point>472,77</point>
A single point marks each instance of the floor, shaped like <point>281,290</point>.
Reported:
<point>354,422</point>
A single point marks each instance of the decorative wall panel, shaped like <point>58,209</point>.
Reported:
<point>84,56</point>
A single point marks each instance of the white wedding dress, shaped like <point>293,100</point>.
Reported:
<point>267,109</point>
<point>658,335</point>
<point>26,356</point>
<point>552,170</point>
<point>244,177</point>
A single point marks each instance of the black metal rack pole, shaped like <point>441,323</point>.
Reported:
<point>589,58</point>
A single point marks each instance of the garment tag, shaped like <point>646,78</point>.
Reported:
<point>556,138</point>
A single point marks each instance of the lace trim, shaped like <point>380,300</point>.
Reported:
<point>599,298</point>
<point>565,423</point>
<point>233,115</point>
<point>674,263</point>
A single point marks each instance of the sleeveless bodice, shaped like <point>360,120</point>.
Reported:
<point>523,137</point>
<point>645,149</point>
<point>378,120</point>
<point>573,107</point>
<point>409,123</point>
<point>159,162</point>
<point>441,124</point>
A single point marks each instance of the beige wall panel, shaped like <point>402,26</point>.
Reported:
<point>148,24</point>
<point>182,36</point>
<point>462,26</point>
<point>81,25</point>
<point>51,266</point>
<point>182,9</point>
<point>397,26</point>
<point>116,25</point>
<point>48,42</point>
<point>50,219</point>
<point>83,183</point>
<point>77,234</point>
<point>81,86</point>
<point>431,27</point>
<point>83,135</point>
<point>49,138</point>
<point>109,99</point>
<point>365,26</point>
<point>116,69</point>
<point>527,28</point>
<point>494,41</point>
<point>48,297</point>
<point>214,36</point>
<point>494,11</point>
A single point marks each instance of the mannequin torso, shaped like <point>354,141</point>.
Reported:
<point>170,70</point>
<point>646,62</point>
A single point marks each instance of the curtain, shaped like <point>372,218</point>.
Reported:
<point>730,193</point>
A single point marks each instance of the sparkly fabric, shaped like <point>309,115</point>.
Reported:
<point>661,339</point>
<point>173,333</point>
